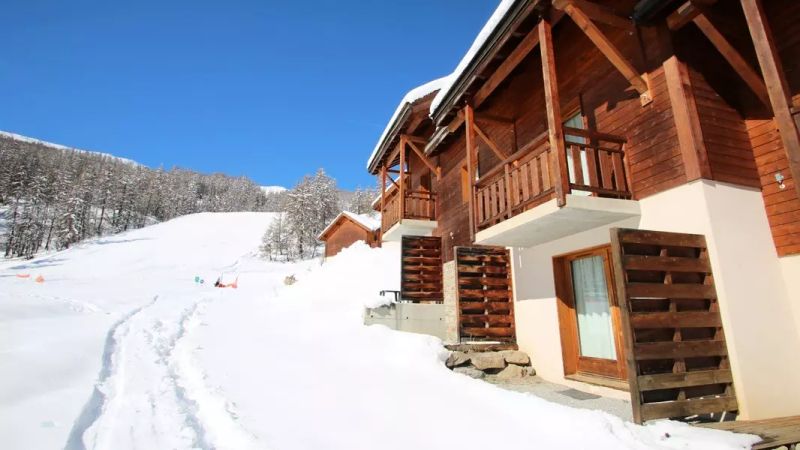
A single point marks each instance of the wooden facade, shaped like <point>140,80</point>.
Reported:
<point>611,100</point>
<point>656,113</point>
<point>344,231</point>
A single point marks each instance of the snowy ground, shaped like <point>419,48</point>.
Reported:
<point>120,348</point>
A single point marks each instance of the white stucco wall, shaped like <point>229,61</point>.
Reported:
<point>791,276</point>
<point>759,320</point>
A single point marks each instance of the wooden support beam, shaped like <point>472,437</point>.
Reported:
<point>777,88</point>
<point>600,13</point>
<point>502,72</point>
<point>687,120</point>
<point>554,120</point>
<point>686,13</point>
<point>682,16</point>
<point>383,197</point>
<point>417,139</point>
<point>401,187</point>
<point>734,58</point>
<point>501,155</point>
<point>469,119</point>
<point>609,50</point>
<point>425,159</point>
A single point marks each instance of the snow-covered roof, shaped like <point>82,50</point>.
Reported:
<point>412,96</point>
<point>480,40</point>
<point>369,222</point>
<point>30,140</point>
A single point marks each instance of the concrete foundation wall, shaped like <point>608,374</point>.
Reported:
<point>422,318</point>
<point>753,284</point>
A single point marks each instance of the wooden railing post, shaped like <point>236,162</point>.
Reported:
<point>383,199</point>
<point>509,195</point>
<point>555,134</point>
<point>469,119</point>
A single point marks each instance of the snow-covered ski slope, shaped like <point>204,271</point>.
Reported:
<point>119,348</point>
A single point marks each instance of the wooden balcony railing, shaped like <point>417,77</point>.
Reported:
<point>527,178</point>
<point>419,205</point>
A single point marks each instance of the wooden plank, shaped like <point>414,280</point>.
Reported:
<point>681,408</point>
<point>493,294</point>
<point>681,349</point>
<point>494,307</point>
<point>525,46</point>
<point>685,379</point>
<point>553,107</point>
<point>505,332</point>
<point>729,52</point>
<point>606,48</point>
<point>577,166</point>
<point>661,238</point>
<point>687,120</point>
<point>664,263</point>
<point>685,319</point>
<point>775,79</point>
<point>688,291</point>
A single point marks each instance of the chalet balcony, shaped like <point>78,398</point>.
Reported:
<point>518,203</point>
<point>418,217</point>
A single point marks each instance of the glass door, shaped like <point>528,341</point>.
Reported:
<point>589,314</point>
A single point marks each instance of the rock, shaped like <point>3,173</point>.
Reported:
<point>488,360</point>
<point>469,371</point>
<point>516,357</point>
<point>512,371</point>
<point>290,280</point>
<point>456,359</point>
<point>530,371</point>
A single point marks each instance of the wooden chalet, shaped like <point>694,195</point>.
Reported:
<point>348,228</point>
<point>610,187</point>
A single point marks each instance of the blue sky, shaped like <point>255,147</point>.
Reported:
<point>271,90</point>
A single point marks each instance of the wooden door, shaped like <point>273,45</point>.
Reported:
<point>589,315</point>
<point>675,346</point>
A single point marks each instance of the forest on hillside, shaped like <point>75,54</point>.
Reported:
<point>52,197</point>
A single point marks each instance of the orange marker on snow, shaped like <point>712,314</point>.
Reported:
<point>23,275</point>
<point>39,279</point>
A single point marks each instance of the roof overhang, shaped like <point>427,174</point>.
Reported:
<point>452,98</point>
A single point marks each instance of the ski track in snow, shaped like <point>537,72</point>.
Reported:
<point>150,386</point>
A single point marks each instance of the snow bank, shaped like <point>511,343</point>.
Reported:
<point>304,373</point>
<point>120,348</point>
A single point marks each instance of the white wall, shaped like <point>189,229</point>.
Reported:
<point>759,321</point>
<point>791,276</point>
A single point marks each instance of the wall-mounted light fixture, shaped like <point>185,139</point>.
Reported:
<point>779,178</point>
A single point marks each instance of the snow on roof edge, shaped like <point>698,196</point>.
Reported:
<point>480,40</point>
<point>30,140</point>
<point>410,97</point>
<point>367,222</point>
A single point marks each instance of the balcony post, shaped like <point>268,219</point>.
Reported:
<point>554,120</point>
<point>402,186</point>
<point>383,198</point>
<point>469,119</point>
